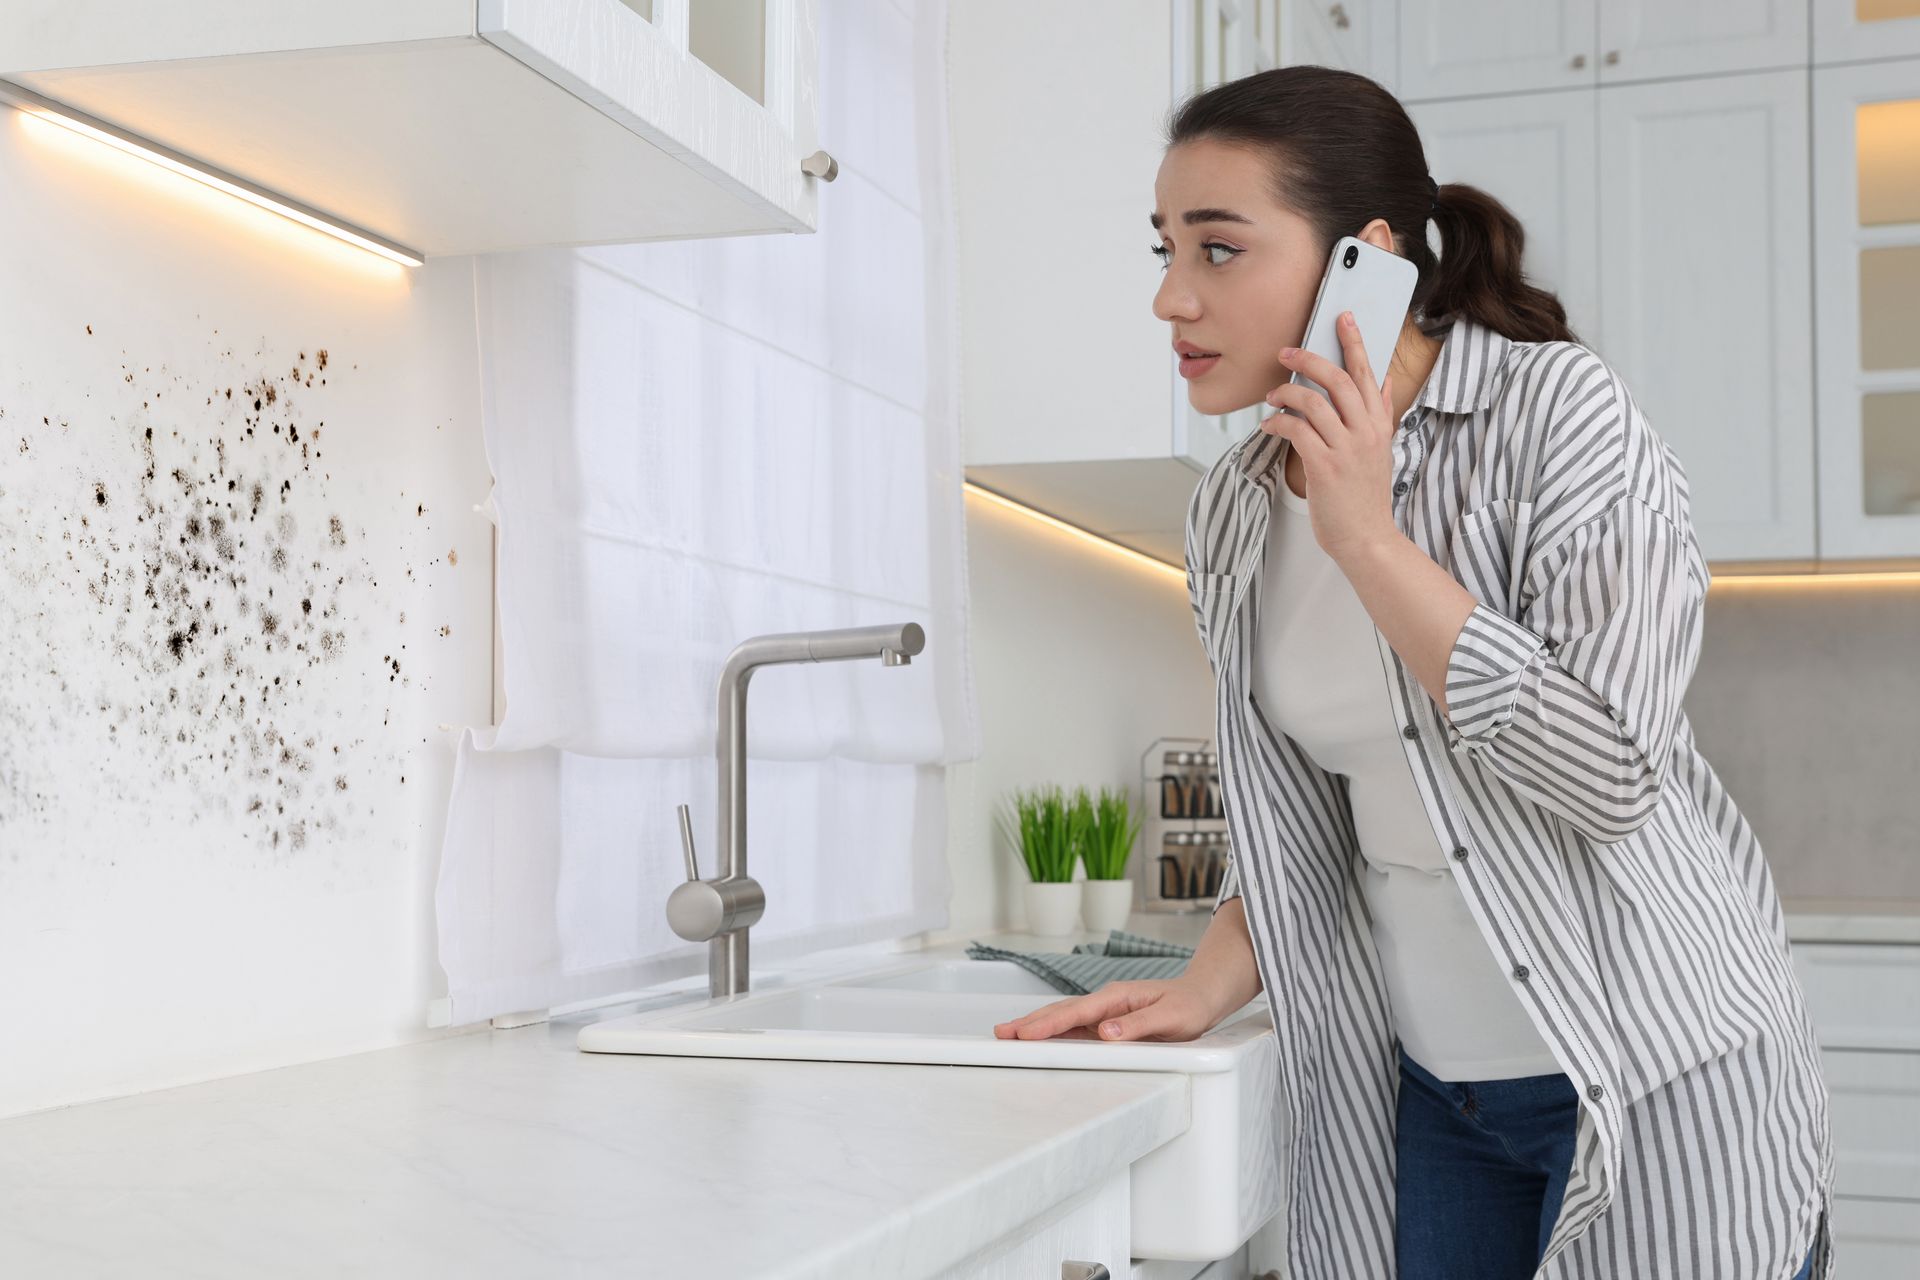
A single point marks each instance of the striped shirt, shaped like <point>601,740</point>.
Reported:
<point>1599,854</point>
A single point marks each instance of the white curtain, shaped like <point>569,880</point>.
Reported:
<point>694,442</point>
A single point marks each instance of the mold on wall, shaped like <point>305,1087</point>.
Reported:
<point>187,597</point>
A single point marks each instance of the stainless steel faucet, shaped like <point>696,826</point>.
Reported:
<point>722,909</point>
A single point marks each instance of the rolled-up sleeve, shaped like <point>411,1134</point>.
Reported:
<point>1576,703</point>
<point>1229,881</point>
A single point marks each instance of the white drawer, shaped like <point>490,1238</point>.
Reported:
<point>1876,1239</point>
<point>1862,995</point>
<point>1874,1105</point>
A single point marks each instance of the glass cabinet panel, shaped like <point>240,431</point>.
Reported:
<point>1890,449</point>
<point>730,36</point>
<point>1890,307</point>
<point>1885,10</point>
<point>1887,141</point>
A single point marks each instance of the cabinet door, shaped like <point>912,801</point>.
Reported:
<point>1062,358</point>
<point>1648,39</point>
<point>1450,50</point>
<point>1090,1228</point>
<point>1849,30</point>
<point>1866,221</point>
<point>1535,154</point>
<point>1704,295</point>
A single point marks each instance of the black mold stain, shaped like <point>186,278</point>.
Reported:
<point>154,606</point>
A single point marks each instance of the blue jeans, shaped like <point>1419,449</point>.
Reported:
<point>1481,1167</point>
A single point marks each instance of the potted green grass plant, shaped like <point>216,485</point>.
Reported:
<point>1042,825</point>
<point>1107,826</point>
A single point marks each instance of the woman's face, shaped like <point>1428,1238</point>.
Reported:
<point>1240,280</point>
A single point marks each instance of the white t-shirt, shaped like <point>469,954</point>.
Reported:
<point>1317,675</point>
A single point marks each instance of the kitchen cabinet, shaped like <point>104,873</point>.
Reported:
<point>1864,998</point>
<point>461,126</point>
<point>1452,50</point>
<point>1866,217</point>
<point>1354,35</point>
<point>1088,1229</point>
<point>1673,311</point>
<point>1852,30</point>
<point>1538,154</point>
<point>1449,50</point>
<point>1706,296</point>
<point>1071,398</point>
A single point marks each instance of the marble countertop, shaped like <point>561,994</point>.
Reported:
<point>513,1153</point>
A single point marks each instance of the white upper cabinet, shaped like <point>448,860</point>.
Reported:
<point>1866,224</point>
<point>1535,154</point>
<point>1651,39</point>
<point>1071,398</point>
<point>1354,35</point>
<point>1450,49</point>
<point>460,126</point>
<point>1611,187</point>
<point>1705,296</point>
<point>1852,30</point>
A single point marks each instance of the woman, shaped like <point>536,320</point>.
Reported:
<point>1526,965</point>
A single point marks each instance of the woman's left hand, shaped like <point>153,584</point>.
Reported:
<point>1345,444</point>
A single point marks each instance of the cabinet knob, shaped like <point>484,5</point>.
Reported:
<point>1579,61</point>
<point>1613,56</point>
<point>821,165</point>
<point>1339,15</point>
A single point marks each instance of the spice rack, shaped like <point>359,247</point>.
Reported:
<point>1183,835</point>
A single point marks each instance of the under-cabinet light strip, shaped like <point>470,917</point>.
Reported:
<point>1862,577</point>
<point>1105,544</point>
<point>133,144</point>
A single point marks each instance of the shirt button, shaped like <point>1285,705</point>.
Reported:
<point>1595,1092</point>
<point>1401,486</point>
<point>1520,971</point>
<point>1460,854</point>
<point>1411,731</point>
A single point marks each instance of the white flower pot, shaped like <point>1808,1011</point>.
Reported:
<point>1106,904</point>
<point>1053,907</point>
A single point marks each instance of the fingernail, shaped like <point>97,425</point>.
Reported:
<point>1287,353</point>
<point>1111,1029</point>
<point>1346,317</point>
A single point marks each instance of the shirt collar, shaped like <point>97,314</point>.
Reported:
<point>1461,381</point>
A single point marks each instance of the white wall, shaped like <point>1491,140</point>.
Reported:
<point>179,900</point>
<point>218,833</point>
<point>1081,659</point>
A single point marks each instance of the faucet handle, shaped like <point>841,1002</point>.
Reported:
<point>686,842</point>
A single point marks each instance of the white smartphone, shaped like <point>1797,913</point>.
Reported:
<point>1373,284</point>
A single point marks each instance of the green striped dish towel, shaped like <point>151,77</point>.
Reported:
<point>1091,965</point>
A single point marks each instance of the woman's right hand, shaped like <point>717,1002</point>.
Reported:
<point>1143,1009</point>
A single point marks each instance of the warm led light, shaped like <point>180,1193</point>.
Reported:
<point>1852,578</point>
<point>1105,544</point>
<point>1865,577</point>
<point>39,108</point>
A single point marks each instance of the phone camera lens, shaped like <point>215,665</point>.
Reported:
<point>1352,256</point>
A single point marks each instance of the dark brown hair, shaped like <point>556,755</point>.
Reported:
<point>1343,151</point>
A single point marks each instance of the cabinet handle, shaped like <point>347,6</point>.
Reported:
<point>1071,1270</point>
<point>1339,15</point>
<point>821,165</point>
<point>1613,56</point>
<point>1579,61</point>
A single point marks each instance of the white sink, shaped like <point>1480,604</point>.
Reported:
<point>1196,1198</point>
<point>1003,976</point>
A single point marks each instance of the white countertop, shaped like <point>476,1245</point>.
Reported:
<point>513,1153</point>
